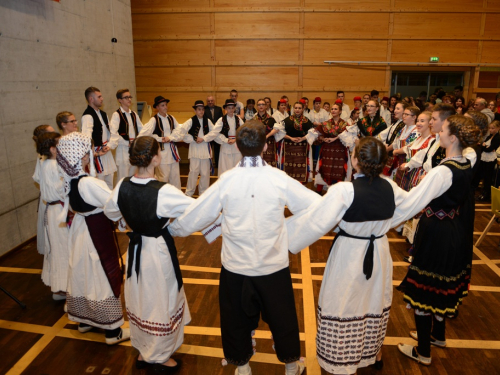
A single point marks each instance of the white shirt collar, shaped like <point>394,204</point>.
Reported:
<point>252,161</point>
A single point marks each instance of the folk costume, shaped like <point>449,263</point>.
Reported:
<point>333,157</point>
<point>371,126</point>
<point>40,229</point>
<point>297,157</point>
<point>388,136</point>
<point>154,294</point>
<point>356,292</point>
<point>55,234</point>
<point>280,117</point>
<point>255,277</point>
<point>200,154</point>
<point>213,114</point>
<point>161,127</point>
<point>438,278</point>
<point>229,154</point>
<point>95,277</point>
<point>124,127</point>
<point>488,162</point>
<point>274,141</point>
<point>321,116</point>
<point>407,135</point>
<point>95,124</point>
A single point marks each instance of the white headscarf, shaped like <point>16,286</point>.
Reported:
<point>71,149</point>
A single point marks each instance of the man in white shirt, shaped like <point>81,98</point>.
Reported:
<point>281,113</point>
<point>255,275</point>
<point>269,107</point>
<point>239,105</point>
<point>199,131</point>
<point>125,126</point>
<point>346,111</point>
<point>95,124</point>
<point>229,124</point>
<point>165,129</point>
<point>317,115</point>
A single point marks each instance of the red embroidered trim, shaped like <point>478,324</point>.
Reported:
<point>158,329</point>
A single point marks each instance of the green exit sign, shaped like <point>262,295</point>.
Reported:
<point>434,59</point>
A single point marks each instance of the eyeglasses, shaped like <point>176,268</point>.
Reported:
<point>127,97</point>
<point>407,114</point>
<point>371,106</point>
<point>261,103</point>
<point>71,122</point>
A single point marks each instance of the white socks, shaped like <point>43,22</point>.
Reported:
<point>244,370</point>
<point>291,368</point>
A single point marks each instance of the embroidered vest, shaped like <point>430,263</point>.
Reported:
<point>225,125</point>
<point>195,127</point>
<point>97,128</point>
<point>75,199</point>
<point>123,127</point>
<point>159,128</point>
<point>392,136</point>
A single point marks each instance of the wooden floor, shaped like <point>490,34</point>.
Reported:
<point>40,340</point>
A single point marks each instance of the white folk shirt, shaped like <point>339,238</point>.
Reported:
<point>116,139</point>
<point>199,150</point>
<point>175,136</point>
<point>279,117</point>
<point>226,148</point>
<point>252,197</point>
<point>346,112</point>
<point>320,116</point>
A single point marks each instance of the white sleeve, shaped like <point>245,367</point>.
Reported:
<point>281,131</point>
<point>139,124</point>
<point>200,214</point>
<point>93,191</point>
<point>382,136</point>
<point>36,175</point>
<point>470,154</point>
<point>172,202</point>
<point>324,214</point>
<point>311,136</point>
<point>183,131</point>
<point>87,125</point>
<point>417,159</point>
<point>221,138</point>
<point>176,135</point>
<point>214,131</point>
<point>148,128</point>
<point>433,185</point>
<point>111,209</point>
<point>115,138</point>
<point>349,135</point>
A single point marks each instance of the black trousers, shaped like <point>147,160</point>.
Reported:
<point>488,168</point>
<point>243,299</point>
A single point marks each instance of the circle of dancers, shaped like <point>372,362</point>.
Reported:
<point>409,164</point>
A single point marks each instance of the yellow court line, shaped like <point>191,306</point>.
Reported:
<point>309,314</point>
<point>21,270</point>
<point>487,260</point>
<point>450,343</point>
<point>488,234</point>
<point>25,327</point>
<point>483,210</point>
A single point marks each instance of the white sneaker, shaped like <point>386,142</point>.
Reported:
<point>238,373</point>
<point>123,336</point>
<point>84,329</point>
<point>411,352</point>
<point>441,344</point>
<point>58,297</point>
<point>301,367</point>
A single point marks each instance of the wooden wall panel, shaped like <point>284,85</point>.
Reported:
<point>256,3</point>
<point>320,50</point>
<point>173,77</point>
<point>162,26</point>
<point>347,25</point>
<point>340,78</point>
<point>447,51</point>
<point>156,5</point>
<point>365,5</point>
<point>437,25</point>
<point>490,52</point>
<point>179,101</point>
<point>257,50</point>
<point>439,6</point>
<point>269,76</point>
<point>257,24</point>
<point>221,97</point>
<point>165,52</point>
<point>492,26</point>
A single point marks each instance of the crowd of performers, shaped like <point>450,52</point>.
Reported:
<point>417,175</point>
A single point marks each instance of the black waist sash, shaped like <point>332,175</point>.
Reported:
<point>135,247</point>
<point>368,261</point>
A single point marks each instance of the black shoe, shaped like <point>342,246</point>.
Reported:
<point>162,369</point>
<point>141,364</point>
<point>378,365</point>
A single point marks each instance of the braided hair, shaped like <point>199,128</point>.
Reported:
<point>142,151</point>
<point>372,156</point>
<point>464,128</point>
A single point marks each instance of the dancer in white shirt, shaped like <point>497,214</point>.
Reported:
<point>252,197</point>
<point>95,124</point>
<point>229,123</point>
<point>125,126</point>
<point>165,129</point>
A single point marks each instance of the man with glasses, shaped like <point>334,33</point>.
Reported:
<point>95,124</point>
<point>125,126</point>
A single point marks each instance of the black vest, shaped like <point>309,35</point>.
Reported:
<point>438,156</point>
<point>195,127</point>
<point>225,125</point>
<point>97,128</point>
<point>123,128</point>
<point>459,190</point>
<point>292,132</point>
<point>392,136</point>
<point>159,128</point>
<point>377,195</point>
<point>138,205</point>
<point>75,199</point>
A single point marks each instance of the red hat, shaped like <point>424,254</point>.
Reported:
<point>302,101</point>
<point>385,98</point>
<point>356,109</point>
<point>317,99</point>
<point>282,101</point>
<point>338,101</point>
<point>357,98</point>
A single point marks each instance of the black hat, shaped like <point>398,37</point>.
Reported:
<point>198,103</point>
<point>229,102</point>
<point>159,99</point>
